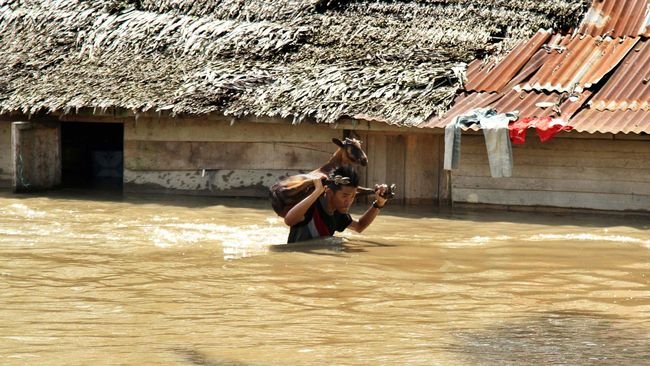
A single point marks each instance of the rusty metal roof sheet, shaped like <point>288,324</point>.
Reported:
<point>629,86</point>
<point>529,104</point>
<point>577,63</point>
<point>536,104</point>
<point>491,77</point>
<point>591,120</point>
<point>556,78</point>
<point>463,103</point>
<point>617,18</point>
<point>540,104</point>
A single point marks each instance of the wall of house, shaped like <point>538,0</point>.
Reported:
<point>37,147</point>
<point>411,161</point>
<point>6,164</point>
<point>603,172</point>
<point>213,157</point>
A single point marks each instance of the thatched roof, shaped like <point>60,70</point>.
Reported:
<point>321,59</point>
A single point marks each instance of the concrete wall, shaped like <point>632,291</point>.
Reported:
<point>6,166</point>
<point>602,172</point>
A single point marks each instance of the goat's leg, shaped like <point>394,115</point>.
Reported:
<point>363,191</point>
<point>390,192</point>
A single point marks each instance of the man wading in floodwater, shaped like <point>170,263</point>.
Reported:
<point>325,210</point>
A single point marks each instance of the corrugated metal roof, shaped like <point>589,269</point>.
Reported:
<point>591,120</point>
<point>579,62</point>
<point>540,104</point>
<point>617,18</point>
<point>529,104</point>
<point>463,103</point>
<point>629,86</point>
<point>555,80</point>
<point>493,78</point>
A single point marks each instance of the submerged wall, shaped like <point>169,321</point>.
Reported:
<point>603,172</point>
<point>212,157</point>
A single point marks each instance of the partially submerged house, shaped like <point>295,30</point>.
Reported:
<point>224,98</point>
<point>594,80</point>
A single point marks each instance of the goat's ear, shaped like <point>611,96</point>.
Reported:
<point>338,142</point>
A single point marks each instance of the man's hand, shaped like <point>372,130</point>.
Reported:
<point>297,213</point>
<point>380,191</point>
<point>318,184</point>
<point>372,212</point>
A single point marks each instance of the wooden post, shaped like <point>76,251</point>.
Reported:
<point>36,155</point>
<point>445,198</point>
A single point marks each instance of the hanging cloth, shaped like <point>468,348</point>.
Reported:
<point>546,127</point>
<point>497,141</point>
<point>546,130</point>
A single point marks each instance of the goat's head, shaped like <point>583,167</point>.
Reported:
<point>352,150</point>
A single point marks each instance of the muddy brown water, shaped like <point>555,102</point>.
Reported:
<point>104,279</point>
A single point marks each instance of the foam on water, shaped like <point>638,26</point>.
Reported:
<point>236,241</point>
<point>21,210</point>
<point>479,240</point>
<point>588,237</point>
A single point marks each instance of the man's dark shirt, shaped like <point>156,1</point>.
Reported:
<point>318,223</point>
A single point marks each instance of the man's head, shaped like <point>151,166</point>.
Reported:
<point>341,189</point>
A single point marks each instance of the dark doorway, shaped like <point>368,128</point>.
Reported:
<point>92,155</point>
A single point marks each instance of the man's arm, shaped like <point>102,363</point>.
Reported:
<point>369,216</point>
<point>297,213</point>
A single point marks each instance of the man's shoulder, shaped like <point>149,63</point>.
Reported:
<point>309,214</point>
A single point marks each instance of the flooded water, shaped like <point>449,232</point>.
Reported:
<point>112,280</point>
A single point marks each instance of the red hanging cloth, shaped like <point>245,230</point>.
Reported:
<point>547,127</point>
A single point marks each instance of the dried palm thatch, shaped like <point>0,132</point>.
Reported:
<point>320,59</point>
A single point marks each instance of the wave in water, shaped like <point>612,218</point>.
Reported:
<point>588,237</point>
